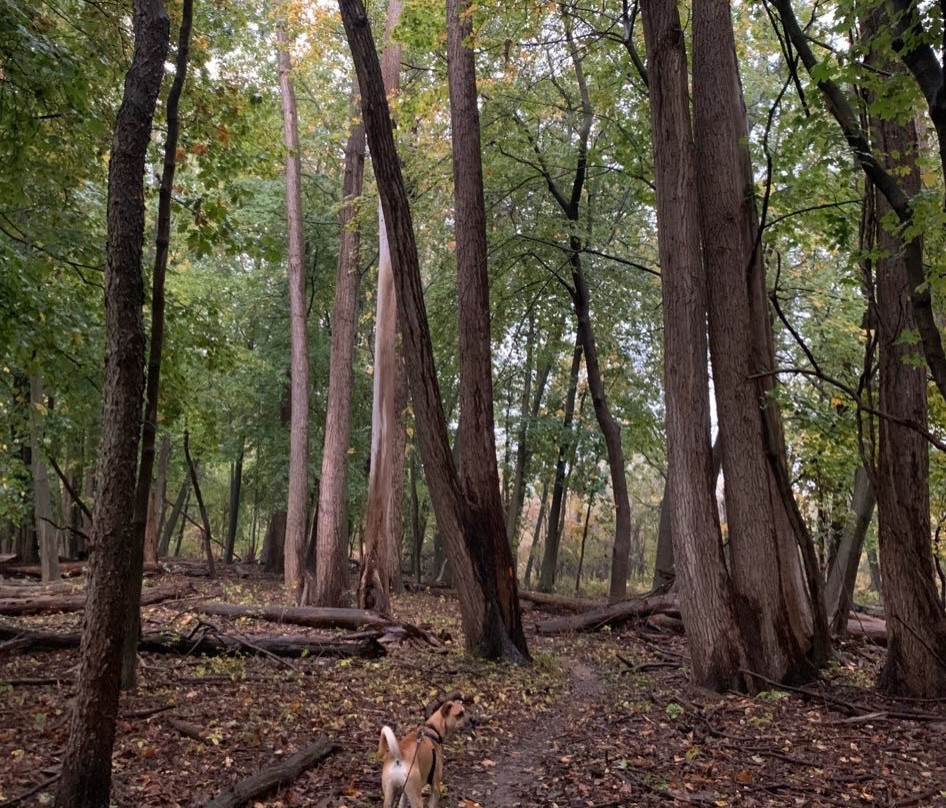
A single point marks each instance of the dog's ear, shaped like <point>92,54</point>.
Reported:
<point>447,708</point>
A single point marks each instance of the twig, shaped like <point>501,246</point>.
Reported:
<point>27,794</point>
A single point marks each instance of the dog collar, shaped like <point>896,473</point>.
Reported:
<point>428,731</point>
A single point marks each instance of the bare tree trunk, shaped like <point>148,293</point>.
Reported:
<point>536,534</point>
<point>374,587</point>
<point>517,490</point>
<point>584,540</point>
<point>273,543</point>
<point>916,624</point>
<point>164,545</point>
<point>161,490</point>
<point>295,544</point>
<point>766,569</point>
<point>479,475</point>
<point>46,532</point>
<point>331,575</point>
<point>204,518</point>
<point>707,600</point>
<point>236,486</point>
<point>472,564</point>
<point>842,572</point>
<point>565,451</point>
<point>149,426</point>
<point>86,771</point>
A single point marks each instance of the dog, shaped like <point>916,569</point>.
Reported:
<point>417,759</point>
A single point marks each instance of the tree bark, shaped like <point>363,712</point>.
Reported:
<point>236,486</point>
<point>87,764</point>
<point>273,543</point>
<point>916,625</point>
<point>479,475</point>
<point>205,519</point>
<point>46,533</point>
<point>295,542</point>
<point>707,601</point>
<point>159,511</point>
<point>773,606</point>
<point>842,573</point>
<point>383,506</point>
<point>566,446</point>
<point>149,426</point>
<point>536,533</point>
<point>518,488</point>
<point>164,545</point>
<point>485,631</point>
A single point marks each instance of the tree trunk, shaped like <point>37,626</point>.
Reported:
<point>149,427</point>
<point>775,612</point>
<point>518,488</point>
<point>565,451</point>
<point>205,519</point>
<point>159,511</point>
<point>479,475</point>
<point>273,543</point>
<point>536,533</point>
<point>482,617</point>
<point>374,587</point>
<point>707,601</point>
<point>584,540</point>
<point>842,573</point>
<point>916,626</point>
<point>295,543</point>
<point>87,763</point>
<point>236,486</point>
<point>46,532</point>
<point>164,544</point>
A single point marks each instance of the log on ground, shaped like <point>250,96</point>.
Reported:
<point>322,617</point>
<point>76,603</point>
<point>560,602</point>
<point>273,776</point>
<point>210,644</point>
<point>613,615</point>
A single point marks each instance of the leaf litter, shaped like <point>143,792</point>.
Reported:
<point>599,720</point>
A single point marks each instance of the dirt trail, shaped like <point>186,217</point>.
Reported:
<point>523,772</point>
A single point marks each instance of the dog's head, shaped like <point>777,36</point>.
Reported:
<point>450,717</point>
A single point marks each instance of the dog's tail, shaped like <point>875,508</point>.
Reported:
<point>388,744</point>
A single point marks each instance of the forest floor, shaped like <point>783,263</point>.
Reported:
<point>603,719</point>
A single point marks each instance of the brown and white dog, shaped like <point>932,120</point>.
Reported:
<point>417,759</point>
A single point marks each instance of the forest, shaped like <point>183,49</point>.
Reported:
<point>576,364</point>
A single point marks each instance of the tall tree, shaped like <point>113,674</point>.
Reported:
<point>46,532</point>
<point>383,506</point>
<point>473,567</point>
<point>87,765</point>
<point>331,571</point>
<point>149,427</point>
<point>707,599</point>
<point>916,625</point>
<point>479,475</point>
<point>295,542</point>
<point>566,446</point>
<point>766,569</point>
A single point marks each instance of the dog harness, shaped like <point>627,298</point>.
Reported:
<point>427,731</point>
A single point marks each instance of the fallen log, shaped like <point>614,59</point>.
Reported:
<point>68,569</point>
<point>613,615</point>
<point>322,617</point>
<point>210,644</point>
<point>561,602</point>
<point>310,616</point>
<point>187,729</point>
<point>870,628</point>
<point>272,776</point>
<point>16,588</point>
<point>76,603</point>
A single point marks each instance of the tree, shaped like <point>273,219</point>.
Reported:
<point>766,570</point>
<point>472,564</point>
<point>46,532</point>
<point>707,598</point>
<point>382,510</point>
<point>295,543</point>
<point>144,500</point>
<point>86,770</point>
<point>479,475</point>
<point>916,624</point>
<point>331,573</point>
